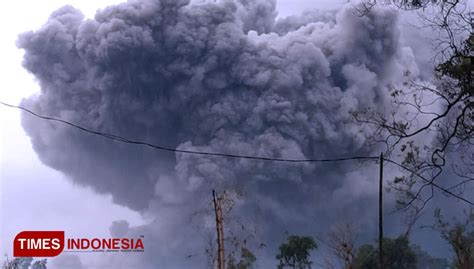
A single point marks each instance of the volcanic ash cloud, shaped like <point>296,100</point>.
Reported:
<point>224,77</point>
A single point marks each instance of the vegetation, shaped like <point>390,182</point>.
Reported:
<point>460,235</point>
<point>425,261</point>
<point>441,109</point>
<point>295,253</point>
<point>397,255</point>
<point>247,259</point>
<point>24,263</point>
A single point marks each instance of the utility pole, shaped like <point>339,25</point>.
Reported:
<point>220,230</point>
<point>381,265</point>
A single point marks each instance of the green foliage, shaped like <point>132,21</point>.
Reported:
<point>397,255</point>
<point>295,252</point>
<point>366,258</point>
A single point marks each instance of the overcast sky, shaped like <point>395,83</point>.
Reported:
<point>33,196</point>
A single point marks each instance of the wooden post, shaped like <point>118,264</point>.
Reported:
<point>381,265</point>
<point>220,230</point>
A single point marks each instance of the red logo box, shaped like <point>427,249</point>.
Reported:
<point>38,244</point>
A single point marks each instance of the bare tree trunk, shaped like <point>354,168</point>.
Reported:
<point>220,230</point>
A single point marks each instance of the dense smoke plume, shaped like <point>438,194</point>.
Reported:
<point>225,77</point>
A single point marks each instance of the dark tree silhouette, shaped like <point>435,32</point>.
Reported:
<point>397,255</point>
<point>24,263</point>
<point>295,253</point>
<point>441,109</point>
<point>460,235</point>
<point>340,242</point>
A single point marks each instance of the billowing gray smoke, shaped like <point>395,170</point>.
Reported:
<point>225,77</point>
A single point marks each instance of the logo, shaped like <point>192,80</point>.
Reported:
<point>53,243</point>
<point>38,244</point>
<point>106,244</point>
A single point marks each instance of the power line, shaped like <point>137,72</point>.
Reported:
<point>135,142</point>
<point>430,182</point>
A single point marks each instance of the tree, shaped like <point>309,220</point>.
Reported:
<point>240,239</point>
<point>441,109</point>
<point>366,258</point>
<point>397,255</point>
<point>460,235</point>
<point>24,263</point>
<point>341,244</point>
<point>295,252</point>
<point>10,264</point>
<point>425,261</point>
<point>41,264</point>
